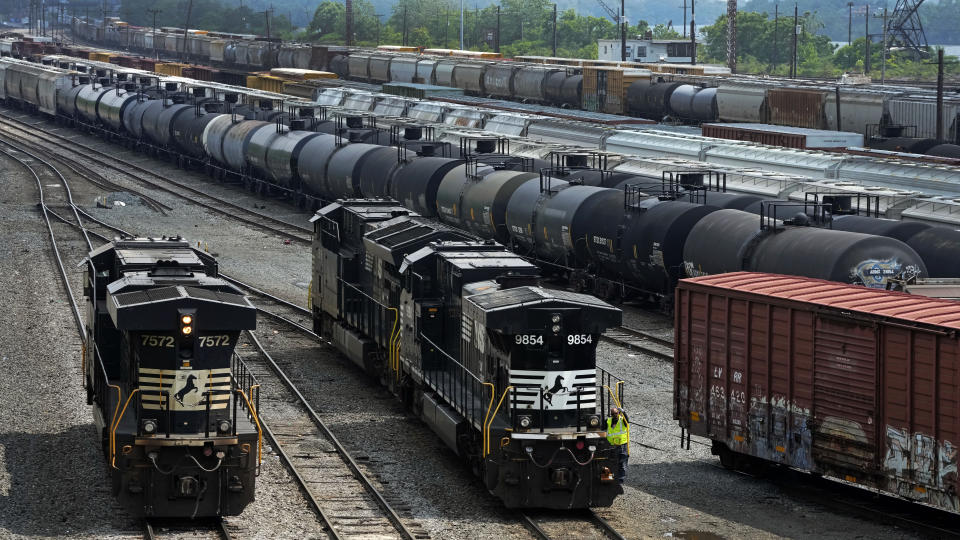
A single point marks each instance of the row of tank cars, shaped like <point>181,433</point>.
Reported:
<point>924,187</point>
<point>613,231</point>
<point>544,207</point>
<point>879,113</point>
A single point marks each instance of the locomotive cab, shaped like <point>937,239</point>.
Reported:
<point>180,435</point>
<point>545,440</point>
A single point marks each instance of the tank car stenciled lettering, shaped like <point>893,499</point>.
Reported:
<point>179,430</point>
<point>502,370</point>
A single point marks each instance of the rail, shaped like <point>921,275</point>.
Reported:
<point>456,383</point>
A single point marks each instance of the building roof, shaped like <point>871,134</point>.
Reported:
<point>854,298</point>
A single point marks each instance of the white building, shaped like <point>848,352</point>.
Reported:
<point>646,50</point>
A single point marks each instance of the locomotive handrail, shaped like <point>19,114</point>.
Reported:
<point>487,422</point>
<point>113,429</point>
<point>612,395</point>
<point>393,339</point>
<point>483,432</point>
<point>106,379</point>
<point>256,421</point>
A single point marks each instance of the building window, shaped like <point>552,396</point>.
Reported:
<point>678,49</point>
<point>641,51</point>
<point>604,49</point>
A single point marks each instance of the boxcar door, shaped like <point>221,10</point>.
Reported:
<point>844,396</point>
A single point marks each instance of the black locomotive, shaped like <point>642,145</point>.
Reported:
<point>179,429</point>
<point>502,370</point>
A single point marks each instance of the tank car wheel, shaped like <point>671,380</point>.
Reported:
<point>728,458</point>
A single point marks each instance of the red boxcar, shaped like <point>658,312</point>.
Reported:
<point>854,383</point>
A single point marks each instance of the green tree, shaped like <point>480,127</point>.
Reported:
<point>756,35</point>
<point>328,20</point>
<point>662,31</point>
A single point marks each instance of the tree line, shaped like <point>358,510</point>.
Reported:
<point>205,14</point>
<point>526,27</point>
<point>765,46</point>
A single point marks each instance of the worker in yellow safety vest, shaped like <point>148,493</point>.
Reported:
<point>618,433</point>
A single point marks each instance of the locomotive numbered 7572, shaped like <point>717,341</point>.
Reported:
<point>177,419</point>
<point>504,371</point>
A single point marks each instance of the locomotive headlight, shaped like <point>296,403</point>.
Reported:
<point>525,422</point>
<point>148,427</point>
<point>223,426</point>
<point>556,329</point>
<point>186,322</point>
<point>594,421</point>
<point>555,319</point>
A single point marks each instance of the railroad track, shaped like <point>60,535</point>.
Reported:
<point>214,529</point>
<point>44,171</point>
<point>641,341</point>
<point>29,132</point>
<point>550,526</point>
<point>341,493</point>
<point>864,503</point>
<point>346,515</point>
<point>363,513</point>
<point>294,441</point>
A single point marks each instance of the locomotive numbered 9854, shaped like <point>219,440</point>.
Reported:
<point>176,416</point>
<point>502,370</point>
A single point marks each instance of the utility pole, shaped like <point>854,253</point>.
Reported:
<point>850,24</point>
<point>154,12</point>
<point>883,51</point>
<point>186,27</point>
<point>461,25</point>
<point>693,32</point>
<point>348,23</point>
<point>497,41</point>
<point>103,21</point>
<point>940,94</point>
<point>404,25</point>
<point>796,32</point>
<point>266,13</point>
<point>623,31</point>
<point>446,28</point>
<point>732,35</point>
<point>866,44</point>
<point>378,16</point>
<point>684,19</point>
<point>554,30</point>
<point>776,36</point>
